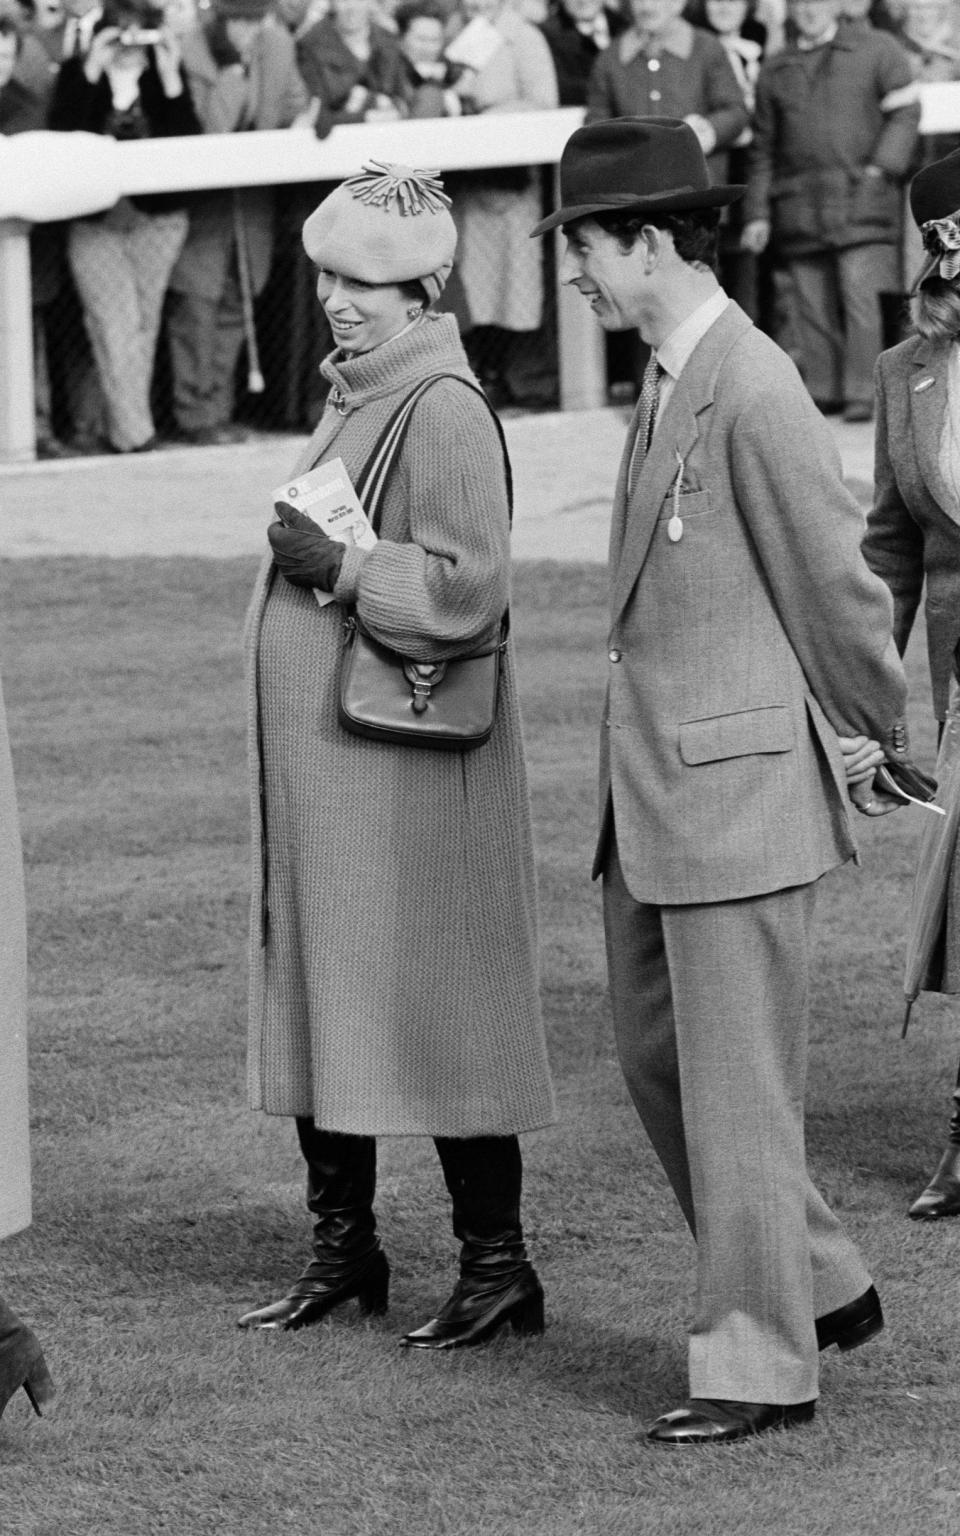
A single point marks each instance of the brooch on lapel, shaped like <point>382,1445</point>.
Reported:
<point>924,384</point>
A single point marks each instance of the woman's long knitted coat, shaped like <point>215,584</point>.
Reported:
<point>396,992</point>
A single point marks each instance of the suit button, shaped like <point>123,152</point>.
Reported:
<point>614,655</point>
<point>653,65</point>
<point>654,95</point>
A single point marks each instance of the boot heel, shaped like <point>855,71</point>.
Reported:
<point>373,1295</point>
<point>39,1386</point>
<point>527,1315</point>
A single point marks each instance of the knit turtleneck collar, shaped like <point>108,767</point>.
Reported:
<point>433,346</point>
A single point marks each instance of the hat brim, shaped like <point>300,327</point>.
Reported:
<point>681,200</point>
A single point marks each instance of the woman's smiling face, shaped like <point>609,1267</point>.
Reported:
<point>362,315</point>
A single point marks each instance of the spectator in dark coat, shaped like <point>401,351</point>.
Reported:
<point>577,32</point>
<point>663,67</point>
<point>352,66</point>
<point>243,75</point>
<point>834,136</point>
<point>429,78</point>
<point>20,109</point>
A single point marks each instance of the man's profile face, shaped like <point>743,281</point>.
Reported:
<point>583,11</point>
<point>812,17</point>
<point>612,280</point>
<point>653,17</point>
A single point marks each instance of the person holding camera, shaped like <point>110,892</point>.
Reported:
<point>129,85</point>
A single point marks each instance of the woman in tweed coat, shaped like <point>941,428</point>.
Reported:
<point>394,983</point>
<point>913,531</point>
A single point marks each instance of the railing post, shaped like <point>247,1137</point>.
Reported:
<point>17,425</point>
<point>581,354</point>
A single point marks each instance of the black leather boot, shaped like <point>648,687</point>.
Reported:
<point>497,1282</point>
<point>348,1260</point>
<point>21,1362</point>
<point>942,1195</point>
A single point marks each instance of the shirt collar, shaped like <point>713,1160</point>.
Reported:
<point>805,45</point>
<point>674,353</point>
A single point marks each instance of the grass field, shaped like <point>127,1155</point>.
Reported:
<point>163,1208</point>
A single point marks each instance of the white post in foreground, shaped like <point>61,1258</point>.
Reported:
<point>17,430</point>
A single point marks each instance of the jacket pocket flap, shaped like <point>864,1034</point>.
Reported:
<point>692,504</point>
<point>738,735</point>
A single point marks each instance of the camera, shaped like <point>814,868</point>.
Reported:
<point>139,37</point>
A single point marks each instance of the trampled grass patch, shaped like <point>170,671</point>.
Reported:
<point>163,1208</point>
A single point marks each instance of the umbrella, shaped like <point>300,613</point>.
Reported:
<point>928,966</point>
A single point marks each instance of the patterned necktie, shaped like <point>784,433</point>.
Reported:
<point>646,416</point>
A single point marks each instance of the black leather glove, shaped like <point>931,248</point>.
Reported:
<point>307,558</point>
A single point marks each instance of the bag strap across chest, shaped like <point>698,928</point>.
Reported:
<point>372,482</point>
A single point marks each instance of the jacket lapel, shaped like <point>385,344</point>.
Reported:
<point>929,404</point>
<point>635,516</point>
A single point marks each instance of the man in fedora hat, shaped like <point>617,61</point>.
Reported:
<point>751,678</point>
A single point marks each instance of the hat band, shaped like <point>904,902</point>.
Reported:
<point>628,199</point>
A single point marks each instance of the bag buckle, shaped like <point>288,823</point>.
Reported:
<point>423,677</point>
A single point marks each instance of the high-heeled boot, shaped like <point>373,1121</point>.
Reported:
<point>21,1362</point>
<point>497,1284</point>
<point>347,1258</point>
<point>942,1195</point>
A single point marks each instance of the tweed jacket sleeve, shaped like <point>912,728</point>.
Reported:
<point>442,592</point>
<point>893,544</point>
<point>838,616</point>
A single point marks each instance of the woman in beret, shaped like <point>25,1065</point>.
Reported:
<point>913,532</point>
<point>394,945</point>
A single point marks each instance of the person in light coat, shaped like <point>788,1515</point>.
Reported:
<point>394,975</point>
<point>22,1363</point>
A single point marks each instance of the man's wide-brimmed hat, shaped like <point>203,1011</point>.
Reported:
<point>387,224</point>
<point>935,205</point>
<point>634,165</point>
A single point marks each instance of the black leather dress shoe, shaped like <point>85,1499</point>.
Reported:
<point>710,1421</point>
<point>942,1195</point>
<point>850,1326</point>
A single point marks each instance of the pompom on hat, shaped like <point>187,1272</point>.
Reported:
<point>935,205</point>
<point>388,224</point>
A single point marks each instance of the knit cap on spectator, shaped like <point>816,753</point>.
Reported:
<point>325,498</point>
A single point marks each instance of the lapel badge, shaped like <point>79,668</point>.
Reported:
<point>923,384</point>
<point>675,525</point>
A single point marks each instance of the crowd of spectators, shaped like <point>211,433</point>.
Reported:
<point>809,102</point>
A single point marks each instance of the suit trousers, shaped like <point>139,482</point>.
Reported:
<point>838,318</point>
<point>710,1014</point>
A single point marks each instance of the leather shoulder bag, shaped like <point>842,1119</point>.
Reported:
<point>384,696</point>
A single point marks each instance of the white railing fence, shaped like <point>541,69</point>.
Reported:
<point>48,176</point>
